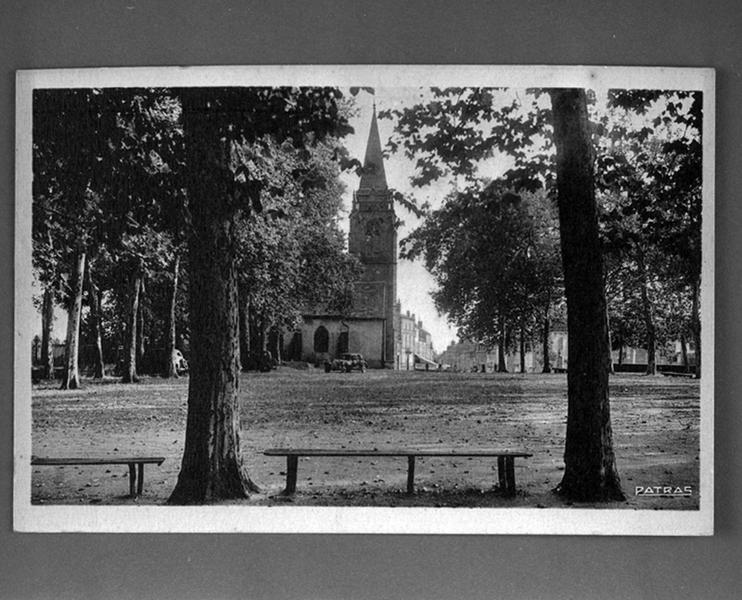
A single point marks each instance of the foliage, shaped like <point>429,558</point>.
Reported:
<point>493,255</point>
<point>457,129</point>
<point>665,160</point>
<point>651,219</point>
<point>291,255</point>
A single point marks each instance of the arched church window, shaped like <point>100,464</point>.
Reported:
<point>321,339</point>
<point>343,342</point>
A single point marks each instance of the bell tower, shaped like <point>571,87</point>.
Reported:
<point>373,238</point>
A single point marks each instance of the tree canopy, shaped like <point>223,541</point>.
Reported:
<point>494,256</point>
<point>109,168</point>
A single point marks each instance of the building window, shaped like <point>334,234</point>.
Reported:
<point>343,342</point>
<point>321,339</point>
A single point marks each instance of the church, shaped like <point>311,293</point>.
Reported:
<point>374,326</point>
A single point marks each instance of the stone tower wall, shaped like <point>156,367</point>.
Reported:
<point>373,238</point>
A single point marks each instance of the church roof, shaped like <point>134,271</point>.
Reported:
<point>373,175</point>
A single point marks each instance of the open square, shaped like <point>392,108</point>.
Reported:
<point>655,427</point>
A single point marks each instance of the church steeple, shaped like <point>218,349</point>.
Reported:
<point>372,237</point>
<point>373,176</point>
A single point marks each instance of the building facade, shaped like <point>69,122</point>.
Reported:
<point>414,344</point>
<point>468,355</point>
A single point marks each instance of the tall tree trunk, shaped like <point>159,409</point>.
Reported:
<point>502,366</point>
<point>47,320</point>
<point>274,343</point>
<point>522,349</point>
<point>95,319</point>
<point>651,340</point>
<point>169,358</point>
<point>212,467</point>
<point>244,316</point>
<point>611,370</point>
<point>620,354</point>
<point>547,324</point>
<point>140,331</point>
<point>255,333</point>
<point>130,342</point>
<point>263,334</point>
<point>590,472</point>
<point>696,325</point>
<point>71,376</point>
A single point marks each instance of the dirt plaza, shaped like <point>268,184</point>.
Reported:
<point>655,425</point>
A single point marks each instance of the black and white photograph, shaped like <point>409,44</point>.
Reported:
<point>365,299</point>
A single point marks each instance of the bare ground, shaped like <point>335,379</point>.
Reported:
<point>655,423</point>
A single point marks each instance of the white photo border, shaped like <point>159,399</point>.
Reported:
<point>227,519</point>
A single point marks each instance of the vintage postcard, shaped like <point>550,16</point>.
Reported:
<point>365,299</point>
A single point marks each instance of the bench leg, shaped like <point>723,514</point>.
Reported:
<point>292,466</point>
<point>510,475</point>
<point>132,477</point>
<point>410,474</point>
<point>140,479</point>
<point>501,477</point>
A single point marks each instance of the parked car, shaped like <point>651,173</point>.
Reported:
<point>262,361</point>
<point>346,363</point>
<point>181,364</point>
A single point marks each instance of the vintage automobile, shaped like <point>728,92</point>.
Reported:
<point>346,363</point>
<point>181,364</point>
<point>262,361</point>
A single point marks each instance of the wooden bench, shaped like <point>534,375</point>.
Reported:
<point>505,461</point>
<point>132,461</point>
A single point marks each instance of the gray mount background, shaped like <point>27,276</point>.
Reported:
<point>86,33</point>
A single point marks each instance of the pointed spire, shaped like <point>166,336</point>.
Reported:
<point>373,164</point>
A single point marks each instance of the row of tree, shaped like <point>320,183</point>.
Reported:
<point>493,246</point>
<point>111,220</point>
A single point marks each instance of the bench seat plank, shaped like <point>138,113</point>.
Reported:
<point>393,452</point>
<point>112,460</point>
